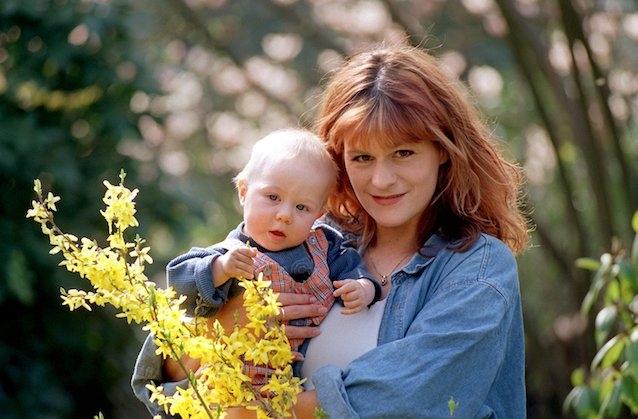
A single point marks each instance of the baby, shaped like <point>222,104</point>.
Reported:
<point>283,189</point>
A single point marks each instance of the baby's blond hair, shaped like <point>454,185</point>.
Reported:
<point>287,144</point>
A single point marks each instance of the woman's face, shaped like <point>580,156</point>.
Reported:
<point>394,184</point>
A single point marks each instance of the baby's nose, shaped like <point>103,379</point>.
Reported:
<point>284,216</point>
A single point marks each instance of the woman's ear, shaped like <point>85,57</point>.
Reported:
<point>443,154</point>
<point>241,191</point>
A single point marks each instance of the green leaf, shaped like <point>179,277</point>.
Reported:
<point>20,278</point>
<point>452,406</point>
<point>631,353</point>
<point>578,377</point>
<point>588,264</point>
<point>606,386</point>
<point>634,222</point>
<point>609,353</point>
<point>614,353</point>
<point>629,393</point>
<point>598,282</point>
<point>319,413</point>
<point>628,277</point>
<point>612,294</point>
<point>630,369</point>
<point>610,406</point>
<point>582,401</point>
<point>604,322</point>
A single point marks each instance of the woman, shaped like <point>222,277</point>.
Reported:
<point>434,207</point>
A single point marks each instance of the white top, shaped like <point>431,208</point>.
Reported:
<point>343,338</point>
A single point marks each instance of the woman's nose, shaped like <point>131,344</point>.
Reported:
<point>383,175</point>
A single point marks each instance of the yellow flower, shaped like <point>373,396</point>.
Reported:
<point>116,274</point>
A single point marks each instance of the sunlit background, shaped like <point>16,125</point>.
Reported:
<point>177,91</point>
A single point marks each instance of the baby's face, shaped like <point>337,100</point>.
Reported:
<point>282,201</point>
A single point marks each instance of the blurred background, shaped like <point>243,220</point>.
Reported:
<point>176,91</point>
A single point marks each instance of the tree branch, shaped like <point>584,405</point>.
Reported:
<point>572,22</point>
<point>214,45</point>
<point>574,112</point>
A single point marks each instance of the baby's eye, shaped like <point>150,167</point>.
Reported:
<point>302,207</point>
<point>273,197</point>
<point>404,153</point>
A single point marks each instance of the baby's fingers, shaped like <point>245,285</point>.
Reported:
<point>249,252</point>
<point>351,310</point>
<point>343,287</point>
<point>241,269</point>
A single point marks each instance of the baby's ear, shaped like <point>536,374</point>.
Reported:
<point>241,190</point>
<point>322,213</point>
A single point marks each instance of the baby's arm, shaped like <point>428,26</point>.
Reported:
<point>192,275</point>
<point>346,266</point>
<point>356,294</point>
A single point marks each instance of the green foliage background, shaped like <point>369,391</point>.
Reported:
<point>175,92</point>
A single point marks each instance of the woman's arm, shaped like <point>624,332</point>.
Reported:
<point>303,409</point>
<point>149,366</point>
<point>452,333</point>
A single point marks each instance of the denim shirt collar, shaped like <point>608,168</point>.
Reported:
<point>426,254</point>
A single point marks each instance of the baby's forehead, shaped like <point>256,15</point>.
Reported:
<point>312,177</point>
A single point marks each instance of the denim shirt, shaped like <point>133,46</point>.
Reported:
<point>452,328</point>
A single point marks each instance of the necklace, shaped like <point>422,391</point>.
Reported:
<point>384,278</point>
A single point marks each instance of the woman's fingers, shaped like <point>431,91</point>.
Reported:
<point>301,332</point>
<point>294,312</point>
<point>297,356</point>
<point>289,298</point>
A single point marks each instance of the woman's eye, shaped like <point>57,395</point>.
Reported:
<point>302,207</point>
<point>273,197</point>
<point>362,158</point>
<point>404,153</point>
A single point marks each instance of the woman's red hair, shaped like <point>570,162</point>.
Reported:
<point>398,94</point>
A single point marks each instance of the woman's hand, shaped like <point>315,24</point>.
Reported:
<point>300,306</point>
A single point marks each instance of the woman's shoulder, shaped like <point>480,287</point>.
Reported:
<point>488,261</point>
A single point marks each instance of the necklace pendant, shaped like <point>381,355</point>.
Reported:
<point>384,280</point>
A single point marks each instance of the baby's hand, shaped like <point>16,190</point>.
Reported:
<point>237,262</point>
<point>355,293</point>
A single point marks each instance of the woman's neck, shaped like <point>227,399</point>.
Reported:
<point>395,242</point>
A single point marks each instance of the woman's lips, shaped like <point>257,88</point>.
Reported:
<point>387,199</point>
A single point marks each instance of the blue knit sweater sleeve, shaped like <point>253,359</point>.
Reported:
<point>344,260</point>
<point>190,274</point>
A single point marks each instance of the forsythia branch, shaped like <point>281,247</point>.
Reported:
<point>116,274</point>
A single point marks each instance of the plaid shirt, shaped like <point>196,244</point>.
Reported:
<point>318,284</point>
